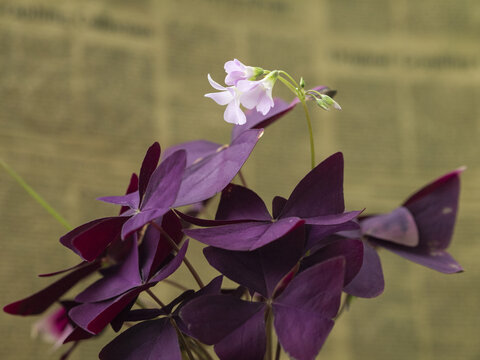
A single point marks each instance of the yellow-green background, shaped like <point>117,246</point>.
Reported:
<point>87,86</point>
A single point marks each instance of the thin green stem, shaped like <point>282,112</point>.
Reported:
<point>289,77</point>
<point>182,340</point>
<point>242,178</point>
<point>310,132</point>
<point>35,195</point>
<point>177,249</point>
<point>290,86</point>
<point>201,349</point>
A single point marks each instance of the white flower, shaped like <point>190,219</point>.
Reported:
<point>258,94</point>
<point>229,96</point>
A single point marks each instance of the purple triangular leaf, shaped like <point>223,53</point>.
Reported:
<point>368,283</point>
<point>397,226</point>
<point>196,150</point>
<point>155,247</point>
<point>130,201</point>
<point>210,175</point>
<point>303,312</point>
<point>93,317</point>
<point>124,278</point>
<point>320,192</point>
<point>149,165</point>
<point>350,249</point>
<point>132,187</point>
<point>205,222</point>
<point>155,339</point>
<point>172,266</point>
<point>41,301</point>
<point>244,236</point>
<point>332,219</point>
<point>239,203</point>
<point>317,236</point>
<point>210,318</point>
<point>82,264</point>
<point>259,270</point>
<point>140,219</point>
<point>435,209</point>
<point>165,182</point>
<point>278,203</point>
<point>91,239</point>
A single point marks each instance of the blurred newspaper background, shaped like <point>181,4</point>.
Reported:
<point>87,86</point>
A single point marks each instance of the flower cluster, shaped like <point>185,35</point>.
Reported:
<point>291,265</point>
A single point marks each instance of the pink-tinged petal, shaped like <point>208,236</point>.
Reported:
<point>155,339</point>
<point>196,150</point>
<point>149,165</point>
<point>332,219</point>
<point>210,175</point>
<point>155,247</point>
<point>137,221</point>
<point>233,114</point>
<point>124,278</point>
<point>265,102</point>
<point>214,319</point>
<point>90,240</point>
<point>434,209</point>
<point>251,93</point>
<point>214,84</point>
<point>320,192</point>
<point>41,301</point>
<point>239,203</point>
<point>93,317</point>
<point>262,269</point>
<point>221,98</point>
<point>369,282</point>
<point>172,266</point>
<point>132,187</point>
<point>397,226</point>
<point>165,182</point>
<point>244,236</point>
<point>303,312</point>
<point>131,200</point>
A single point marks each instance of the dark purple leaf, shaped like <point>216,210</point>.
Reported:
<point>125,277</point>
<point>224,319</point>
<point>91,239</point>
<point>317,236</point>
<point>397,226</point>
<point>303,312</point>
<point>41,301</point>
<point>368,283</point>
<point>262,269</point>
<point>140,219</point>
<point>196,150</point>
<point>239,203</point>
<point>172,266</point>
<point>350,249</point>
<point>149,165</point>
<point>244,236</point>
<point>320,192</point>
<point>132,187</point>
<point>210,175</point>
<point>156,339</point>
<point>278,203</point>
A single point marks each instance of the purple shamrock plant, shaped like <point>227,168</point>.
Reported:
<point>290,267</point>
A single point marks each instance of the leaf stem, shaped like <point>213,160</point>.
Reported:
<point>43,203</point>
<point>242,178</point>
<point>310,132</point>
<point>278,350</point>
<point>177,249</point>
<point>269,330</point>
